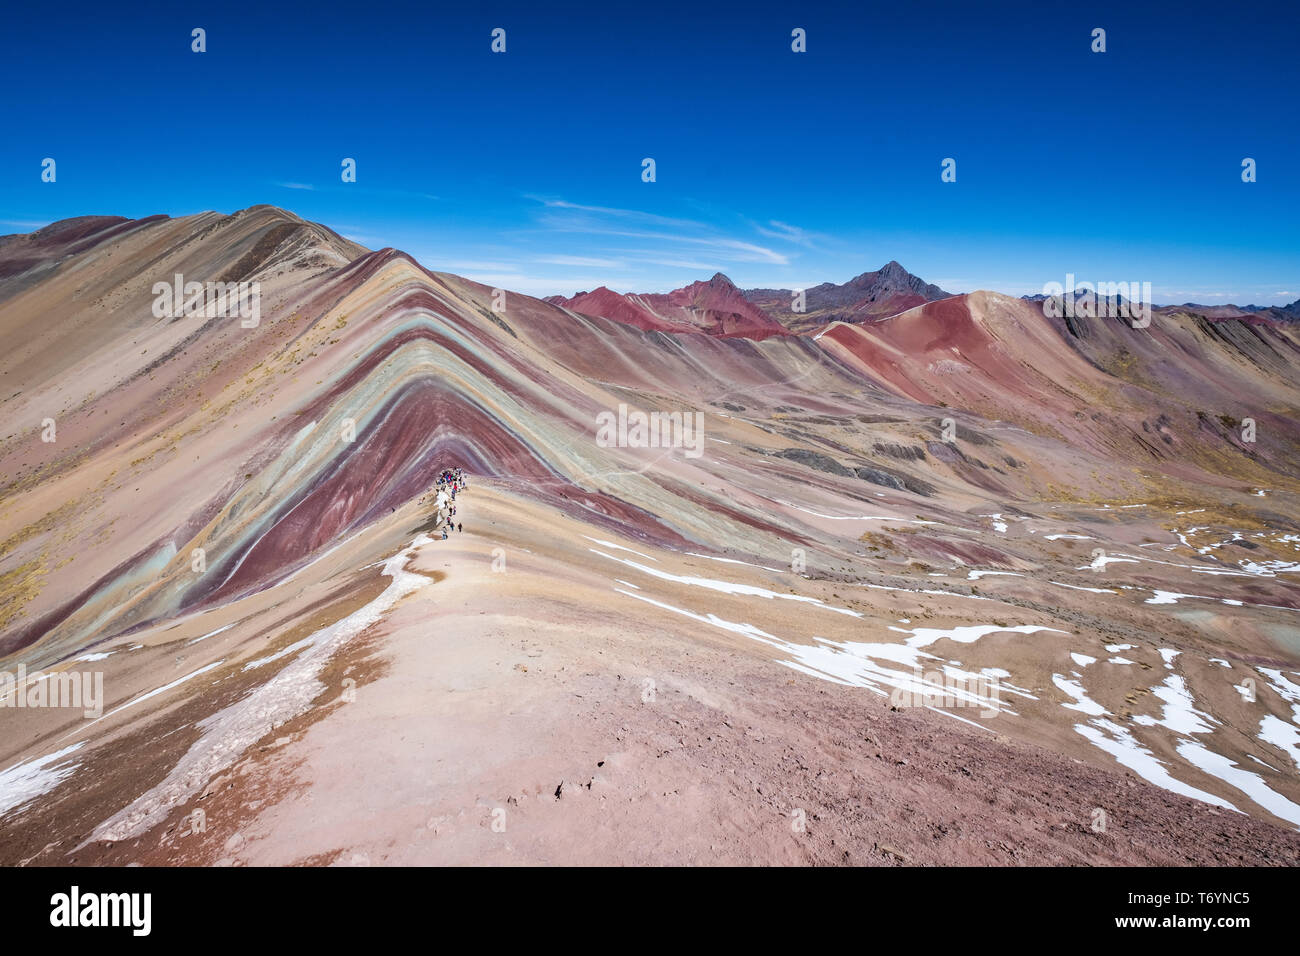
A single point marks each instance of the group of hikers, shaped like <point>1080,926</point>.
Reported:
<point>450,481</point>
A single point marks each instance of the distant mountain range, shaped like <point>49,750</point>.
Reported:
<point>889,290</point>
<point>719,307</point>
<point>1278,313</point>
<point>716,307</point>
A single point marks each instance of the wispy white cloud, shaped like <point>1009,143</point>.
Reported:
<point>733,250</point>
<point>591,261</point>
<point>613,211</point>
<point>775,229</point>
<point>466,266</point>
<point>306,186</point>
<point>541,286</point>
<point>614,223</point>
<point>687,264</point>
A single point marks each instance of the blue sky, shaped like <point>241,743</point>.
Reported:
<point>523,169</point>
